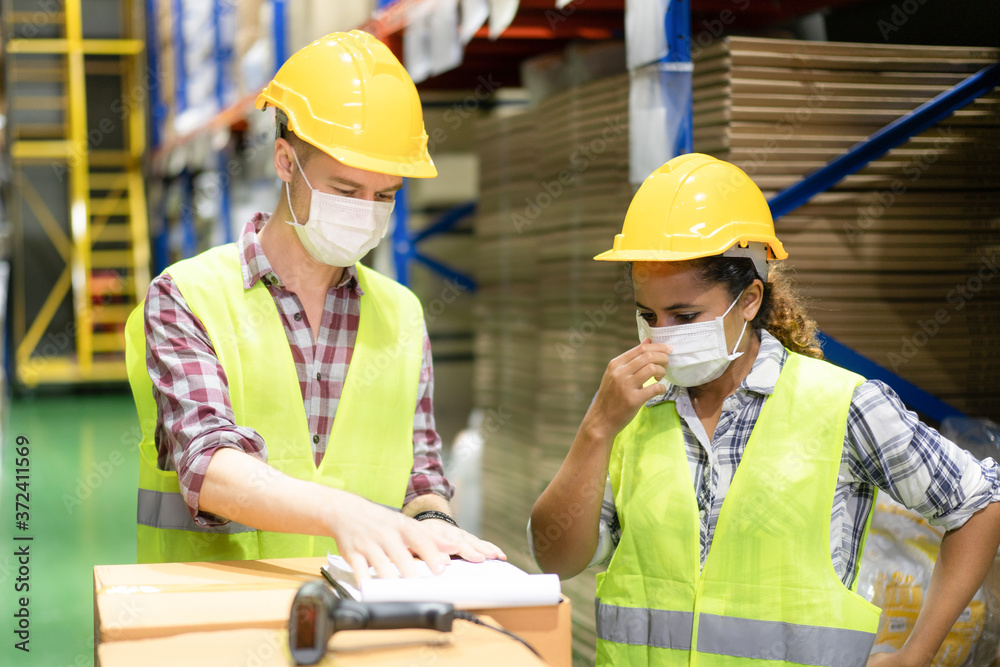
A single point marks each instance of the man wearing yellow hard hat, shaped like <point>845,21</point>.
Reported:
<point>284,389</point>
<point>727,475</point>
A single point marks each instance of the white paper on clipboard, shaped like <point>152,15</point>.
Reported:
<point>493,583</point>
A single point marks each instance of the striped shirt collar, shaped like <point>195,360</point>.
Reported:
<point>256,267</point>
<point>761,379</point>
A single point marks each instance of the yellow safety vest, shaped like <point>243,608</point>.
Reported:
<point>768,593</point>
<point>370,446</point>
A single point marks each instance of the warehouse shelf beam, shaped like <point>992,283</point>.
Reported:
<point>404,244</point>
<point>892,135</point>
<point>836,352</point>
<point>157,109</point>
<point>280,33</point>
<point>89,47</point>
<point>677,25</point>
<point>180,67</point>
<point>223,58</point>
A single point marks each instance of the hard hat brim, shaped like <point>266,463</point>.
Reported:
<point>636,255</point>
<point>421,168</point>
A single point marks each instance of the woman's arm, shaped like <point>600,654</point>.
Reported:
<point>928,473</point>
<point>564,520</point>
<point>966,555</point>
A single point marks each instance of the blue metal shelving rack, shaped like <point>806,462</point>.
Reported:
<point>405,242</point>
<point>405,250</point>
<point>877,145</point>
<point>677,26</point>
<point>221,12</point>
<point>223,59</point>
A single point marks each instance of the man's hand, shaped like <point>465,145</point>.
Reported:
<point>369,534</point>
<point>469,547</point>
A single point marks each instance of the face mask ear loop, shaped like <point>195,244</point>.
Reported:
<point>742,331</point>
<point>731,305</point>
<point>288,187</point>
<point>288,195</point>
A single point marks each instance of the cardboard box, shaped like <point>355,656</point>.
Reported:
<point>137,603</point>
<point>467,644</point>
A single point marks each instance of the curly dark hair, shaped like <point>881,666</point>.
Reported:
<point>781,313</point>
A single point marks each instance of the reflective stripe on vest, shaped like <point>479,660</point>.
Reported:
<point>158,509</point>
<point>645,627</point>
<point>370,445</point>
<point>788,642</point>
<point>736,637</point>
<point>767,590</point>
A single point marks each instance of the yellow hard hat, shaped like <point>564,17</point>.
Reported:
<point>349,96</point>
<point>696,206</point>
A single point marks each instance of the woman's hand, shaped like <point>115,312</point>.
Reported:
<point>622,393</point>
<point>897,659</point>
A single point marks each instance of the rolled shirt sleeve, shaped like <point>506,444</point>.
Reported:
<point>192,395</point>
<point>196,417</point>
<point>892,449</point>
<point>427,475</point>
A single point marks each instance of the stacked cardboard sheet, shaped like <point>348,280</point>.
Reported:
<point>555,190</point>
<point>506,332</point>
<point>900,260</point>
<point>586,307</point>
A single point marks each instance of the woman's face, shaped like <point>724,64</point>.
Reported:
<point>669,293</point>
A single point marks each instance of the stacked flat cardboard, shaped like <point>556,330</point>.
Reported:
<point>507,326</point>
<point>584,320</point>
<point>554,184</point>
<point>900,260</point>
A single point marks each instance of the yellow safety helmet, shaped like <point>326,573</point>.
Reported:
<point>349,96</point>
<point>697,206</point>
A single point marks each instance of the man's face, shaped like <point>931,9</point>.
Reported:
<point>326,174</point>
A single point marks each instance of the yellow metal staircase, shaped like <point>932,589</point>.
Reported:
<point>81,245</point>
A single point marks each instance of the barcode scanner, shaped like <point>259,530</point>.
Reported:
<point>317,612</point>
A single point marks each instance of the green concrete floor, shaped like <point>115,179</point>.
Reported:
<point>83,475</point>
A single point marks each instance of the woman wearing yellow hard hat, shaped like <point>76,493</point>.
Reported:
<point>727,475</point>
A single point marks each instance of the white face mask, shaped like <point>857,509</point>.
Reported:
<point>700,352</point>
<point>340,230</point>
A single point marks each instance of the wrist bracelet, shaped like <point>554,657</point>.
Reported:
<point>434,514</point>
